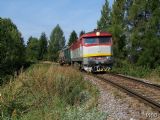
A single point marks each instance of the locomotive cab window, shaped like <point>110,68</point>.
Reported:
<point>104,40</point>
<point>90,41</point>
<point>98,40</point>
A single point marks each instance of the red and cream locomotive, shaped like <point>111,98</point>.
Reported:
<point>92,51</point>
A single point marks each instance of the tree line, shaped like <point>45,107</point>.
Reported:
<point>14,54</point>
<point>44,49</point>
<point>135,26</point>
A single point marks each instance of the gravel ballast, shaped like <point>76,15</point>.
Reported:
<point>120,106</point>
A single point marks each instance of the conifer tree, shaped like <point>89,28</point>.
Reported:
<point>56,43</point>
<point>43,46</point>
<point>151,43</point>
<point>81,33</point>
<point>105,21</point>
<point>137,26</point>
<point>73,37</point>
<point>145,29</point>
<point>33,49</point>
<point>117,29</point>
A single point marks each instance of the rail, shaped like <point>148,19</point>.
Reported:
<point>134,87</point>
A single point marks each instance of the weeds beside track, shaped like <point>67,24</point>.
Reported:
<point>47,91</point>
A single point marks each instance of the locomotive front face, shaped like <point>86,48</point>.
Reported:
<point>97,52</point>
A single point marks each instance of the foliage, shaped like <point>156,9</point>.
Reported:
<point>104,23</point>
<point>127,68</point>
<point>37,48</point>
<point>56,43</point>
<point>49,92</point>
<point>151,41</point>
<point>12,49</point>
<point>81,33</point>
<point>154,75</point>
<point>43,44</point>
<point>135,26</point>
<point>117,29</point>
<point>144,17</point>
<point>32,49</point>
<point>73,37</point>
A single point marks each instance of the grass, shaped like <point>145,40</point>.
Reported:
<point>132,70</point>
<point>138,71</point>
<point>154,75</point>
<point>49,92</point>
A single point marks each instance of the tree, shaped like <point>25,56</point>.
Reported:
<point>105,21</point>
<point>136,24</point>
<point>12,49</point>
<point>145,19</point>
<point>73,37</point>
<point>118,29</point>
<point>33,49</point>
<point>81,33</point>
<point>151,41</point>
<point>43,46</point>
<point>56,43</point>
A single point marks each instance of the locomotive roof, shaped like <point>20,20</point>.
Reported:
<point>94,34</point>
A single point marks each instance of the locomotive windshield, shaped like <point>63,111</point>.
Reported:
<point>90,40</point>
<point>98,40</point>
<point>104,40</point>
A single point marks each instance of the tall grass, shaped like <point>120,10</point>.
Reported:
<point>49,92</point>
<point>138,71</point>
<point>154,75</point>
<point>131,69</point>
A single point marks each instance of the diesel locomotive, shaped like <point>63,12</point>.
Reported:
<point>92,51</point>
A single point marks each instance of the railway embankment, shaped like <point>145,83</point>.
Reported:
<point>48,91</point>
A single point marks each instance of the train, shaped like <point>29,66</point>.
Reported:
<point>92,52</point>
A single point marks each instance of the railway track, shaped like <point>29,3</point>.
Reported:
<point>145,92</point>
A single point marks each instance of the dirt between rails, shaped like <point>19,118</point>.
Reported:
<point>120,106</point>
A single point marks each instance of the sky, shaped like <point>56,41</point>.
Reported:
<point>32,17</point>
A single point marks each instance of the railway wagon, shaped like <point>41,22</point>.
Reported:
<point>65,56</point>
<point>93,51</point>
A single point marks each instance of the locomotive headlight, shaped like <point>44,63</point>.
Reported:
<point>98,33</point>
<point>108,57</point>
